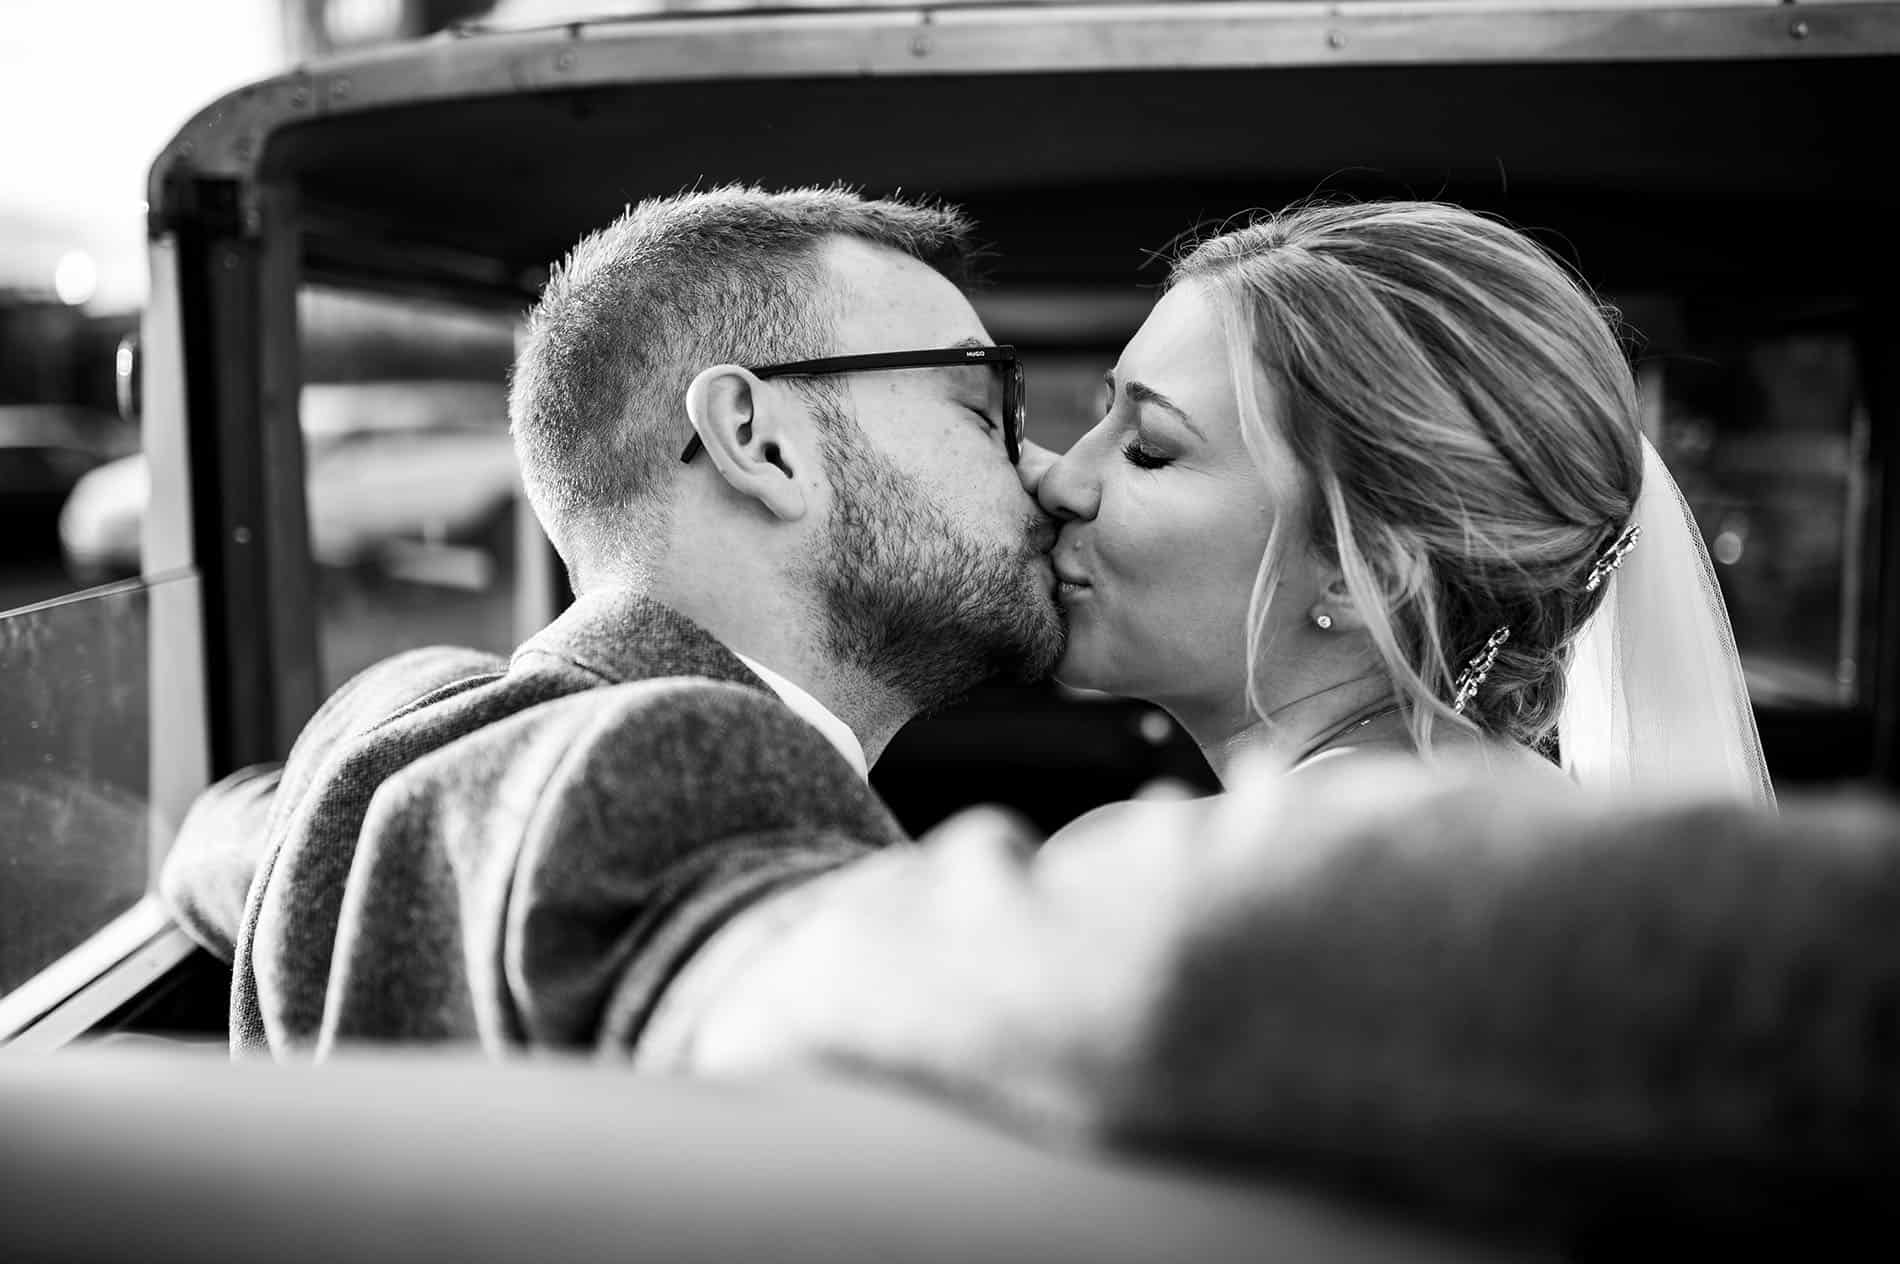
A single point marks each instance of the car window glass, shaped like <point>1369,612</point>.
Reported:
<point>1760,413</point>
<point>410,477</point>
<point>77,743</point>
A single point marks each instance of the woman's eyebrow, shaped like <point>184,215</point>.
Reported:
<point>1142,393</point>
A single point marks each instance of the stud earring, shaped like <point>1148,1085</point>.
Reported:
<point>1324,622</point>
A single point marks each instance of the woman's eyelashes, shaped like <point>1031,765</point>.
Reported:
<point>1143,457</point>
<point>1134,451</point>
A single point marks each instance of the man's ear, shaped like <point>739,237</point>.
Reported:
<point>755,442</point>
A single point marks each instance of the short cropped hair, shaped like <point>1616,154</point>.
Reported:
<point>724,275</point>
<point>1462,422</point>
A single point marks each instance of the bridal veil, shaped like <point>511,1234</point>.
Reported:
<point>1656,699</point>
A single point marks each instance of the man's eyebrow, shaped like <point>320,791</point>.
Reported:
<point>1142,393</point>
<point>962,379</point>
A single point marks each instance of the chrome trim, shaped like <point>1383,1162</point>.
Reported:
<point>165,541</point>
<point>78,990</point>
<point>178,748</point>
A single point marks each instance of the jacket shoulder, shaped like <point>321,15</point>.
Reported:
<point>581,850</point>
<point>684,755</point>
<point>401,684</point>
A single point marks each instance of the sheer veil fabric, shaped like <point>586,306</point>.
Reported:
<point>1656,698</point>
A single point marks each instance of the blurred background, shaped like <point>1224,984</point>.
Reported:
<point>87,106</point>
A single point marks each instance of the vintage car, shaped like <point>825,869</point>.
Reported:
<point>1700,161</point>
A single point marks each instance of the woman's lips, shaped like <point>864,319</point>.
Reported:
<point>1069,585</point>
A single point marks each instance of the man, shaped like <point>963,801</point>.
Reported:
<point>527,852</point>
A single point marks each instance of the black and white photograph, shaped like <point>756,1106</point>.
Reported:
<point>986,632</point>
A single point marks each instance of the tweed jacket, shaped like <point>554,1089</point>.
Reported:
<point>516,852</point>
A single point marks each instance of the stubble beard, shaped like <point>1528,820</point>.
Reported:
<point>910,599</point>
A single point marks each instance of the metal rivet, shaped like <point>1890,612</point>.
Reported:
<point>1335,39</point>
<point>299,99</point>
<point>564,62</point>
<point>241,535</point>
<point>1798,29</point>
<point>920,46</point>
<point>339,88</point>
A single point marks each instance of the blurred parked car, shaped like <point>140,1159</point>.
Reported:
<point>45,451</point>
<point>57,423</point>
<point>391,469</point>
<point>412,490</point>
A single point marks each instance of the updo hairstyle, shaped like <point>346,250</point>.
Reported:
<point>1462,428</point>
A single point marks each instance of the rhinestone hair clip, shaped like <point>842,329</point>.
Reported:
<point>1612,557</point>
<point>1477,669</point>
<point>1481,663</point>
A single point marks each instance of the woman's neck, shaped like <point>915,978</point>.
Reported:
<point>1292,729</point>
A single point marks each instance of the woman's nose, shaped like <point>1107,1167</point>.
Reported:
<point>1064,485</point>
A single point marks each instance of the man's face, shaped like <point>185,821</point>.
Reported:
<point>934,573</point>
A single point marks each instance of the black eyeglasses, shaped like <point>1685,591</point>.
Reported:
<point>1009,371</point>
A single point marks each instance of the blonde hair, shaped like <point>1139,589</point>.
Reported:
<point>1463,430</point>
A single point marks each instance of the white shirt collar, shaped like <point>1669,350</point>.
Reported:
<point>814,713</point>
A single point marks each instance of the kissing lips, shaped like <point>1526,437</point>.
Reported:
<point>1069,586</point>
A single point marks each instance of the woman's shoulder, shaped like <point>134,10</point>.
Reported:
<point>1177,803</point>
<point>1499,757</point>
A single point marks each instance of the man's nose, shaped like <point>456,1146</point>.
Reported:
<point>1035,463</point>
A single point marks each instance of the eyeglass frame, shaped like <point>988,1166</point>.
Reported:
<point>1005,357</point>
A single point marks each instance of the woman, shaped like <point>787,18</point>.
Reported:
<point>1371,477</point>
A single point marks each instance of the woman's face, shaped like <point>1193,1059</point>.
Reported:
<point>1165,519</point>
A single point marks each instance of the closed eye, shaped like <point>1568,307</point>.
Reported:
<point>1144,458</point>
<point>985,418</point>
